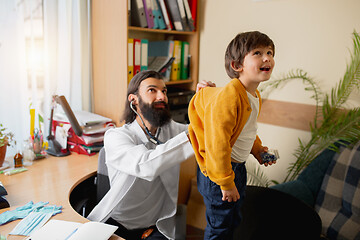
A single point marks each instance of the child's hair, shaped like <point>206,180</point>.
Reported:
<point>241,45</point>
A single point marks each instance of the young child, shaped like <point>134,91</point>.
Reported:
<point>223,131</point>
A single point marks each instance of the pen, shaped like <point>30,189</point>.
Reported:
<point>7,170</point>
<point>14,171</point>
<point>71,234</point>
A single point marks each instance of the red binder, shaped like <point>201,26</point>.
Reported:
<point>80,149</point>
<point>193,8</point>
<point>137,55</point>
<point>87,140</point>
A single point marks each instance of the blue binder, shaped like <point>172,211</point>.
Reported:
<point>162,48</point>
<point>158,17</point>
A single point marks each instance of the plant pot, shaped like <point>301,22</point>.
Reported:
<point>2,154</point>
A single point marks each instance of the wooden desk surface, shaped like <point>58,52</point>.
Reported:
<point>50,180</point>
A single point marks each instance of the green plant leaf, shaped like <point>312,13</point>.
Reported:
<point>332,121</point>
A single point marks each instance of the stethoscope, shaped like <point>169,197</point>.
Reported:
<point>152,139</point>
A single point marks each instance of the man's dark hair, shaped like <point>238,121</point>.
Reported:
<point>133,88</point>
<point>241,45</point>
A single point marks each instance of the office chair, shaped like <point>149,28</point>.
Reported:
<point>102,181</point>
<point>3,202</point>
<point>88,193</point>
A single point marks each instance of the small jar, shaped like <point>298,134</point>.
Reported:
<point>18,160</point>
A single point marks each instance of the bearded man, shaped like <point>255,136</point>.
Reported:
<point>143,159</point>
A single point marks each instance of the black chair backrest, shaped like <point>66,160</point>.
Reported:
<point>102,179</point>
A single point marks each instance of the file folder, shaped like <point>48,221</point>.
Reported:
<point>144,54</point>
<point>175,67</point>
<point>137,55</point>
<point>137,14</point>
<point>161,64</point>
<point>193,9</point>
<point>130,59</point>
<point>148,13</point>
<point>129,12</point>
<point>184,67</point>
<point>173,10</point>
<point>165,14</point>
<point>158,17</point>
<point>183,15</point>
<point>190,21</point>
<point>162,48</point>
<point>156,21</point>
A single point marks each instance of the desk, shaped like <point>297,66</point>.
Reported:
<point>50,179</point>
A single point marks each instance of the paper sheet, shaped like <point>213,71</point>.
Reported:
<point>65,230</point>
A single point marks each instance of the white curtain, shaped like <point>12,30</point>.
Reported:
<point>67,55</point>
<point>14,96</point>
<point>66,63</point>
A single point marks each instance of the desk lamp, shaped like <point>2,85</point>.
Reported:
<point>54,146</point>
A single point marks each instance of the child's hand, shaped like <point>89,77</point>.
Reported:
<point>202,84</point>
<point>231,195</point>
<point>258,157</point>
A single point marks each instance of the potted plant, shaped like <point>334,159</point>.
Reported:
<point>6,139</point>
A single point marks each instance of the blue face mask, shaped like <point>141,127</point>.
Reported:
<point>36,219</point>
<point>33,215</point>
<point>23,211</point>
<point>33,221</point>
<point>20,212</point>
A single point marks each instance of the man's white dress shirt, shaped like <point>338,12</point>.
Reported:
<point>139,169</point>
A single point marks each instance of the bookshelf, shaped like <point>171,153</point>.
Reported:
<point>110,32</point>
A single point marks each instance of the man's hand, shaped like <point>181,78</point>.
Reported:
<point>231,195</point>
<point>202,84</point>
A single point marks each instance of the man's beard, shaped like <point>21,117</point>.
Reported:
<point>157,117</point>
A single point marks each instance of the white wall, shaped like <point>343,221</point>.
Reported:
<point>314,35</point>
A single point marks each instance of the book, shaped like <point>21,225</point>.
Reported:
<point>66,230</point>
<point>190,20</point>
<point>162,48</point>
<point>137,14</point>
<point>70,135</point>
<point>174,12</point>
<point>184,63</point>
<point>175,67</point>
<point>183,15</point>
<point>165,14</point>
<point>129,12</point>
<point>137,56</point>
<point>130,59</point>
<point>84,118</point>
<point>148,13</point>
<point>161,64</point>
<point>193,8</point>
<point>158,17</point>
<point>144,54</point>
<point>83,149</point>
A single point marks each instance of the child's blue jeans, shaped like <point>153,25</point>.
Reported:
<point>222,217</point>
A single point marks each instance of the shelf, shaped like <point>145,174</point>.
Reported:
<point>110,34</point>
<point>140,29</point>
<point>179,82</point>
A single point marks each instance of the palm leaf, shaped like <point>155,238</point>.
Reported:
<point>336,124</point>
<point>310,85</point>
<point>256,175</point>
